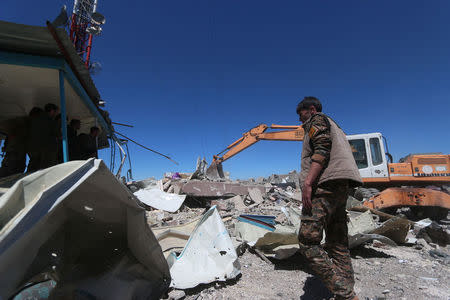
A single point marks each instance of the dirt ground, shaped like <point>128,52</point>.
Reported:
<point>381,272</point>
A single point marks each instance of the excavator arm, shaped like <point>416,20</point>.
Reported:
<point>254,135</point>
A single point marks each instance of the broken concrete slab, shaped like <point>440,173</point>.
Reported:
<point>396,229</point>
<point>293,215</point>
<point>167,185</point>
<point>238,203</point>
<point>361,238</point>
<point>422,224</point>
<point>411,238</point>
<point>256,195</point>
<point>216,189</point>
<point>223,205</point>
<point>278,245</point>
<point>440,256</point>
<point>296,195</point>
<point>434,233</point>
<point>176,295</point>
<point>249,233</point>
<point>352,202</point>
<point>361,223</point>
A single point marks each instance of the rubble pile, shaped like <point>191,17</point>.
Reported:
<point>263,216</point>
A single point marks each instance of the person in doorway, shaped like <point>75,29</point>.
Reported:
<point>72,130</point>
<point>14,148</point>
<point>88,143</point>
<point>328,170</point>
<point>43,139</point>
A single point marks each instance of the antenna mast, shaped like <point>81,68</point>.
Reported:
<point>85,23</point>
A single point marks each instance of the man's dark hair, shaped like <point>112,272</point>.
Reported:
<point>49,107</point>
<point>35,111</point>
<point>309,101</point>
<point>73,122</point>
<point>94,129</point>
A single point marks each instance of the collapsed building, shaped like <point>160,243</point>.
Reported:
<point>262,215</point>
<point>75,229</point>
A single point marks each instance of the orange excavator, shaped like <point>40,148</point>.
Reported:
<point>417,180</point>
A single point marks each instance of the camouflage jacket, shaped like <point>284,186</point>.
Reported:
<point>318,129</point>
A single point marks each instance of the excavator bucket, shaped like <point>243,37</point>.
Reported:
<point>215,171</point>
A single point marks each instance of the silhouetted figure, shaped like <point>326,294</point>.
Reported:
<point>43,139</point>
<point>88,144</point>
<point>14,148</point>
<point>72,129</point>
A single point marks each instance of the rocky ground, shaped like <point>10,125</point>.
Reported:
<point>418,268</point>
<point>381,272</point>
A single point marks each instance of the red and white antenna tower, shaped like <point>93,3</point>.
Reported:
<point>85,23</point>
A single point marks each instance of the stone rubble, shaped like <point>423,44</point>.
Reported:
<point>417,268</point>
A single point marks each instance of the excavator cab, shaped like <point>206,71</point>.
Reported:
<point>370,154</point>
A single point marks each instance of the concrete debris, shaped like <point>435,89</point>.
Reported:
<point>176,295</point>
<point>422,224</point>
<point>352,202</point>
<point>361,238</point>
<point>278,244</point>
<point>263,215</point>
<point>238,203</point>
<point>216,189</point>
<point>443,257</point>
<point>248,232</point>
<point>396,229</point>
<point>434,233</point>
<point>256,195</point>
<point>411,238</point>
<point>167,185</point>
<point>361,223</point>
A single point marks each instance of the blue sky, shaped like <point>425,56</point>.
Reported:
<point>192,76</point>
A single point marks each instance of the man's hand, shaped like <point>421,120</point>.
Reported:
<point>306,198</point>
<point>313,174</point>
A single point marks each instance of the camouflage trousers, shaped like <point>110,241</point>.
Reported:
<point>331,262</point>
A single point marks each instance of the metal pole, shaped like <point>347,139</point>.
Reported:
<point>75,6</point>
<point>62,99</point>
<point>88,51</point>
<point>123,160</point>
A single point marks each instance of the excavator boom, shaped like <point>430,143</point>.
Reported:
<point>254,135</point>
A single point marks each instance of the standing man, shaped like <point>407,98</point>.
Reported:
<point>72,135</point>
<point>43,138</point>
<point>14,147</point>
<point>328,170</point>
<point>88,144</point>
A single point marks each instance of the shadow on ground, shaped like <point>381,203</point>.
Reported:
<point>315,290</point>
<point>216,285</point>
<point>295,262</point>
<point>366,252</point>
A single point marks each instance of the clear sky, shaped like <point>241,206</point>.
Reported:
<point>192,76</point>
